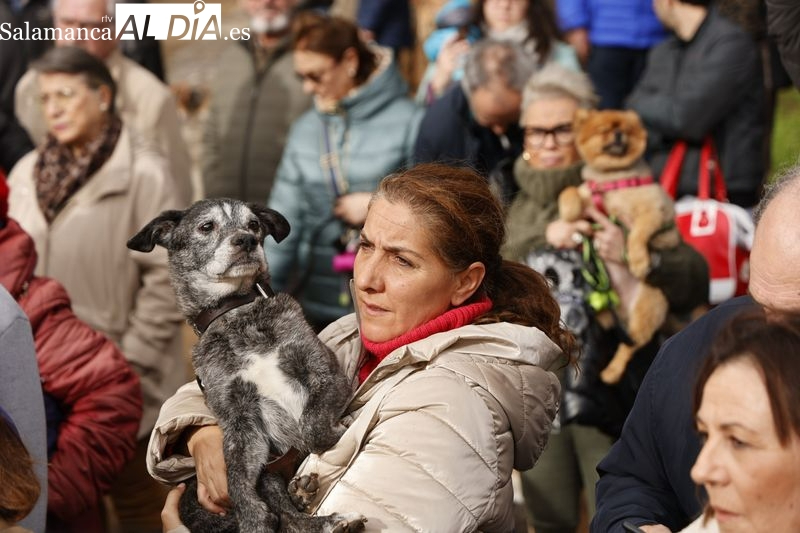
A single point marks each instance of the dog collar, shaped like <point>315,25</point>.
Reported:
<point>202,321</point>
<point>598,189</point>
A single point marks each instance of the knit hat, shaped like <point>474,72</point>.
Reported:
<point>3,199</point>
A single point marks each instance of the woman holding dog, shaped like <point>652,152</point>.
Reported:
<point>362,127</point>
<point>592,412</point>
<point>450,355</point>
<point>80,196</point>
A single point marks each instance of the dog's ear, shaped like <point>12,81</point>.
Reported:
<point>633,116</point>
<point>274,223</point>
<point>581,116</point>
<point>157,231</point>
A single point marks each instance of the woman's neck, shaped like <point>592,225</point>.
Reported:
<point>451,319</point>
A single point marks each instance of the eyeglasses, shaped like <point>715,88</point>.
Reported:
<point>61,97</point>
<point>314,77</point>
<point>562,135</point>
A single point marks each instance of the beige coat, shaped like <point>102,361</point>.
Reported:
<point>433,434</point>
<point>144,104</point>
<point>124,294</point>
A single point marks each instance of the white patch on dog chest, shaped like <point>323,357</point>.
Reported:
<point>263,371</point>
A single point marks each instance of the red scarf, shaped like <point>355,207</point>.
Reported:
<point>452,319</point>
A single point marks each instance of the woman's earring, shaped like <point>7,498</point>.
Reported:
<point>351,72</point>
<point>526,156</point>
<point>103,107</point>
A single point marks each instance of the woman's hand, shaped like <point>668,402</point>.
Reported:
<point>205,445</point>
<point>170,518</point>
<point>563,234</point>
<point>609,240</point>
<point>609,243</point>
<point>655,528</point>
<point>579,40</point>
<point>352,208</point>
<point>447,62</point>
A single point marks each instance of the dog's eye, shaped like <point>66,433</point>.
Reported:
<point>253,225</point>
<point>207,227</point>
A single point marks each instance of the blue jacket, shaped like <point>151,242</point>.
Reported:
<point>624,23</point>
<point>373,133</point>
<point>645,477</point>
<point>389,20</point>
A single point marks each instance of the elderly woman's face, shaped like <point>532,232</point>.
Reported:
<point>400,282</point>
<point>549,140</point>
<point>327,79</point>
<point>753,482</point>
<point>75,113</point>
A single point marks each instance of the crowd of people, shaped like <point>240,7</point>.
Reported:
<point>426,250</point>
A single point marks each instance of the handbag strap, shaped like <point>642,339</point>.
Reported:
<point>710,171</point>
<point>330,163</point>
<point>672,168</point>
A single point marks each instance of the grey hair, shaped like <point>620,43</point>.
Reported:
<point>111,6</point>
<point>556,81</point>
<point>491,60</point>
<point>788,178</point>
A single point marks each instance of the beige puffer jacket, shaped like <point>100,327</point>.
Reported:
<point>433,434</point>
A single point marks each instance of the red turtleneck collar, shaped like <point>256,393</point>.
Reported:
<point>452,319</point>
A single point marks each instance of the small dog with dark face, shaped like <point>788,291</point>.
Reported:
<point>618,181</point>
<point>274,387</point>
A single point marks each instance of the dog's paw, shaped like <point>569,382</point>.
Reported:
<point>348,523</point>
<point>639,263</point>
<point>612,373</point>
<point>302,490</point>
<point>570,206</point>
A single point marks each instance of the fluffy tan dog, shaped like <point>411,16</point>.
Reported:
<point>619,182</point>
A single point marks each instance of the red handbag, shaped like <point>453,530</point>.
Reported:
<point>721,231</point>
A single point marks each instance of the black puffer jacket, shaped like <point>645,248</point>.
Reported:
<point>711,85</point>
<point>449,134</point>
<point>783,23</point>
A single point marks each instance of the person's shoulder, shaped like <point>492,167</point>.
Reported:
<point>142,156</point>
<point>305,127</point>
<point>27,81</point>
<point>10,311</point>
<point>450,108</point>
<point>234,51</point>
<point>138,79</point>
<point>24,166</point>
<point>501,343</point>
<point>697,336</point>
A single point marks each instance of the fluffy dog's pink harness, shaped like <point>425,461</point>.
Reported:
<point>598,189</point>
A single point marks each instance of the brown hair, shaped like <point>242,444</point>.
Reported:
<point>772,343</point>
<point>541,22</point>
<point>332,36</point>
<point>20,488</point>
<point>465,224</point>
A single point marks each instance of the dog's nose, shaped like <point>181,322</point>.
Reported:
<point>245,241</point>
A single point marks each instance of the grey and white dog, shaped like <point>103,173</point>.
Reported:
<point>272,384</point>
